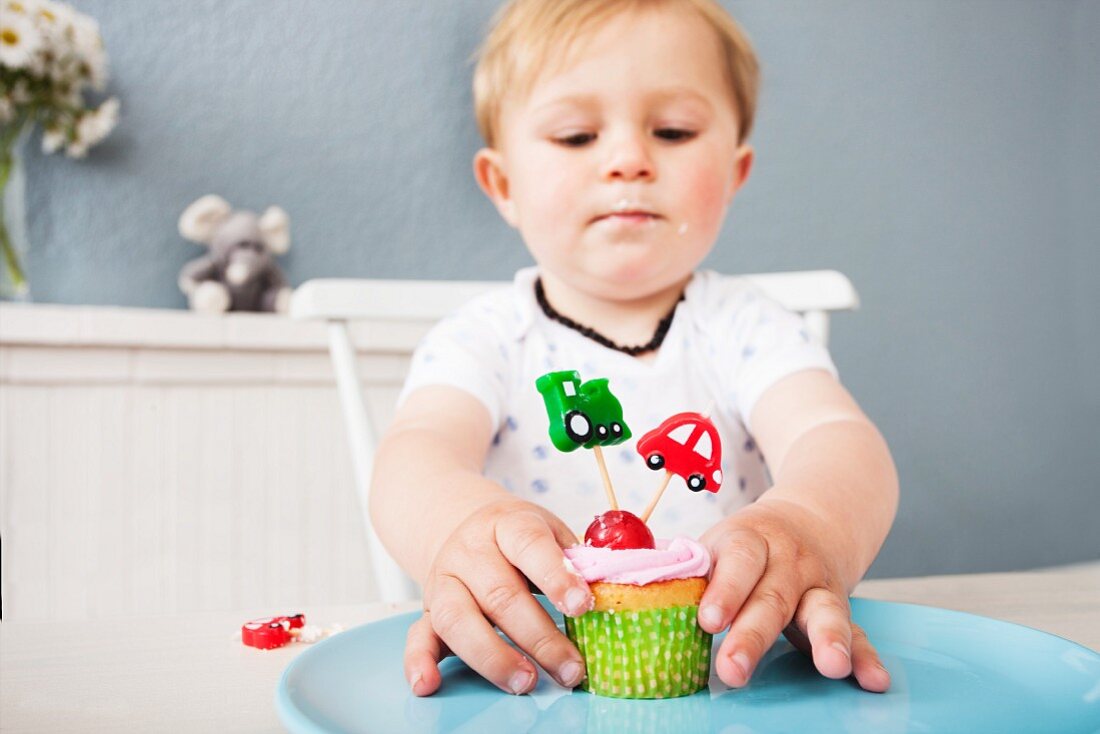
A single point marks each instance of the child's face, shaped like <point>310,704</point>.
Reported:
<point>618,167</point>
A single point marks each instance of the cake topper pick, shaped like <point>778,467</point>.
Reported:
<point>687,445</point>
<point>583,414</point>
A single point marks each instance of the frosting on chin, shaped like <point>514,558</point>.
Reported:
<point>679,558</point>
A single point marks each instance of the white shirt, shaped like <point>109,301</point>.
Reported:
<point>727,344</point>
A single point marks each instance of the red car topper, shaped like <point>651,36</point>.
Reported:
<point>270,632</point>
<point>686,444</point>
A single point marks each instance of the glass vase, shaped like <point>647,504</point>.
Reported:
<point>14,285</point>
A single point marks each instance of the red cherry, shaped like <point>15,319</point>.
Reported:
<point>619,530</point>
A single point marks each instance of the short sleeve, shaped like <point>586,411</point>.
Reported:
<point>768,343</point>
<point>468,350</point>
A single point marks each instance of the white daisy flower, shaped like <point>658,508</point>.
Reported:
<point>19,40</point>
<point>16,6</point>
<point>77,149</point>
<point>55,13</point>
<point>53,22</point>
<point>88,47</point>
<point>52,139</point>
<point>93,127</point>
<point>108,116</point>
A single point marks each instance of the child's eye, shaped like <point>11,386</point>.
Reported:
<point>576,140</point>
<point>674,134</point>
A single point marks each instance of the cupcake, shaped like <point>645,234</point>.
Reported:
<point>641,639</point>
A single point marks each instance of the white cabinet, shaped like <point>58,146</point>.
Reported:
<point>158,461</point>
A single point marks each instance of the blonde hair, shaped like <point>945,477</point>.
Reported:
<point>524,34</point>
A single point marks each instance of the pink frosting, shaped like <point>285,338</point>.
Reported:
<point>679,558</point>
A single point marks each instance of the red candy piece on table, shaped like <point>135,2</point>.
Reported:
<point>686,444</point>
<point>619,530</point>
<point>271,632</point>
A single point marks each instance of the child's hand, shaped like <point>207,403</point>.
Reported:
<point>774,573</point>
<point>477,581</point>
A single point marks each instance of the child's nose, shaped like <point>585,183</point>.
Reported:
<point>629,160</point>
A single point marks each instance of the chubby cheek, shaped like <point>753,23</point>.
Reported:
<point>703,195</point>
<point>546,204</point>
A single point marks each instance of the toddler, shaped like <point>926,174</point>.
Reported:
<point>615,138</point>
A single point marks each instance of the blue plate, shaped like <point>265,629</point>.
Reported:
<point>952,672</point>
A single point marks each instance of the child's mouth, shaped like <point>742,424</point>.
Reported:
<point>628,218</point>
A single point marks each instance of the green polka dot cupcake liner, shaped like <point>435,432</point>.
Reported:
<point>650,653</point>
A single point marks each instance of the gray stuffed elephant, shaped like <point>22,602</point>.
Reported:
<point>239,273</point>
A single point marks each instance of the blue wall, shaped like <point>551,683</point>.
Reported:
<point>943,154</point>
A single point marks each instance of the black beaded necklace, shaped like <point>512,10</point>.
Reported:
<point>650,346</point>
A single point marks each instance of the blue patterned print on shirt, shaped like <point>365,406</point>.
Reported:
<point>540,452</point>
<point>540,486</point>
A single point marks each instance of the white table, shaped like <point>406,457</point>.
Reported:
<point>193,674</point>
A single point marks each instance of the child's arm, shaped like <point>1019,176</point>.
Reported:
<point>788,562</point>
<point>471,544</point>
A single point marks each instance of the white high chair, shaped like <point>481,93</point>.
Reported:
<point>419,304</point>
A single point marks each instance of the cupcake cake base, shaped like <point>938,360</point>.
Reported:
<point>643,641</point>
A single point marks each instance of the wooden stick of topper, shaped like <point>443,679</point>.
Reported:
<point>653,501</point>
<point>694,453</point>
<point>607,488</point>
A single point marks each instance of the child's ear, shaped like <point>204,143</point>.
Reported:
<point>742,165</point>
<point>493,180</point>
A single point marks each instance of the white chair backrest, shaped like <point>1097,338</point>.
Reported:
<point>814,294</point>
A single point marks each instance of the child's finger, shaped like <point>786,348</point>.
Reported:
<point>459,622</point>
<point>423,651</point>
<point>741,557</point>
<point>827,622</point>
<point>866,665</point>
<point>508,604</point>
<point>566,538</point>
<point>529,544</point>
<point>867,668</point>
<point>768,610</point>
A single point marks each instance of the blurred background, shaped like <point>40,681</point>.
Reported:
<point>944,155</point>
